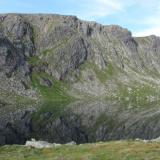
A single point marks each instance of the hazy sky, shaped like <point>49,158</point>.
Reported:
<point>142,17</point>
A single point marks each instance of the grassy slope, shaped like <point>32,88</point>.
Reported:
<point>53,99</point>
<point>120,150</point>
<point>131,94</point>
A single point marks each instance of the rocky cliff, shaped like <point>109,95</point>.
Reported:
<point>64,79</point>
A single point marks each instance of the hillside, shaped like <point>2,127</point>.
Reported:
<point>64,79</point>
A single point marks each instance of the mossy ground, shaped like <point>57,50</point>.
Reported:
<point>129,94</point>
<point>54,99</point>
<point>137,95</point>
<point>118,150</point>
<point>35,61</point>
<point>56,92</point>
<point>102,75</point>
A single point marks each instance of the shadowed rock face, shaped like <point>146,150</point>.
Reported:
<point>47,62</point>
<point>83,123</point>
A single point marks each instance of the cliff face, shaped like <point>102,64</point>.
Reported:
<point>64,79</point>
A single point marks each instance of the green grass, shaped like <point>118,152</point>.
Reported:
<point>137,95</point>
<point>47,51</point>
<point>102,75</point>
<point>35,61</point>
<point>57,92</point>
<point>54,99</point>
<point>34,33</point>
<point>131,94</point>
<point>118,150</point>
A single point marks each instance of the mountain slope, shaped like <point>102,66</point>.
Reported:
<point>65,79</point>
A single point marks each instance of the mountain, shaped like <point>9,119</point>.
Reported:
<point>64,79</point>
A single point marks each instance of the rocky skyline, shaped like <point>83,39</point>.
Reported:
<point>63,79</point>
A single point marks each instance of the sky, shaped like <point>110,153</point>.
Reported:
<point>139,16</point>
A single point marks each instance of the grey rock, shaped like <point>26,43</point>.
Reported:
<point>46,82</point>
<point>103,66</point>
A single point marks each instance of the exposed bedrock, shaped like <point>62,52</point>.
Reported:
<point>63,79</point>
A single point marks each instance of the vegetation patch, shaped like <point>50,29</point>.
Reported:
<point>102,75</point>
<point>35,61</point>
<point>137,95</point>
<point>56,92</point>
<point>117,150</point>
<point>54,98</point>
<point>47,51</point>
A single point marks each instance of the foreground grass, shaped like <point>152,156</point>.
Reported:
<point>120,150</point>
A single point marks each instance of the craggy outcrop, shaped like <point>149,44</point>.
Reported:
<point>63,79</point>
